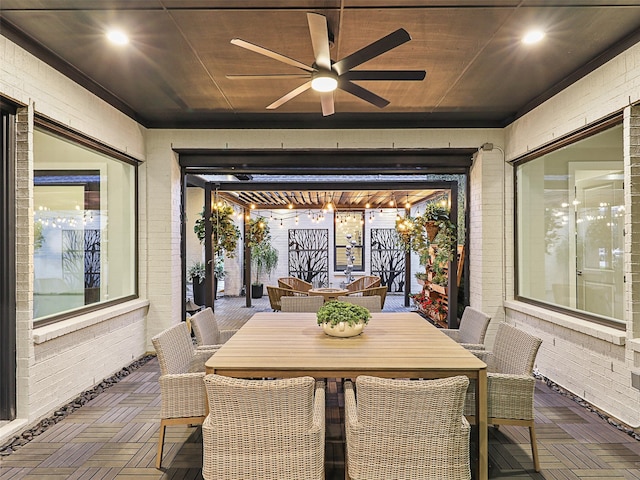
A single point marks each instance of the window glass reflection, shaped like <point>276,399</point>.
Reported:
<point>570,226</point>
<point>84,227</point>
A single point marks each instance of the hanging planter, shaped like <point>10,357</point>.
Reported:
<point>434,226</point>
<point>432,229</point>
<point>225,234</point>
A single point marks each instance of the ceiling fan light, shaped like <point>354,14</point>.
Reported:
<point>324,83</point>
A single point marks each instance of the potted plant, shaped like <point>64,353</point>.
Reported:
<point>224,240</point>
<point>264,257</point>
<point>196,275</point>
<point>342,319</point>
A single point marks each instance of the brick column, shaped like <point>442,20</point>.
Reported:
<point>24,256</point>
<point>632,219</point>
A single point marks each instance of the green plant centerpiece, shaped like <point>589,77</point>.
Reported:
<point>342,319</point>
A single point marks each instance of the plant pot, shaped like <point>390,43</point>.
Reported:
<point>257,291</point>
<point>432,230</point>
<point>198,292</point>
<point>343,329</point>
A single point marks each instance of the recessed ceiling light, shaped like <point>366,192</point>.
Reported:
<point>532,36</point>
<point>118,37</point>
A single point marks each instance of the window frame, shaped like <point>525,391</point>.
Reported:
<point>571,138</point>
<point>51,127</point>
<point>338,267</point>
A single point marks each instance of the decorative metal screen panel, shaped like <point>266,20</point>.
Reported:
<point>309,255</point>
<point>388,258</point>
<point>81,260</point>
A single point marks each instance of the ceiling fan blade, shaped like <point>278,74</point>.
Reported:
<point>374,49</point>
<point>363,93</point>
<point>384,75</point>
<point>293,93</point>
<point>328,106</point>
<point>271,54</point>
<point>267,76</point>
<point>319,39</point>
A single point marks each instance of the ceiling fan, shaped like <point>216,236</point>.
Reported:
<point>325,75</point>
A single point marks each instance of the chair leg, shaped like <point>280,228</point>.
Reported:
<point>160,444</point>
<point>534,448</point>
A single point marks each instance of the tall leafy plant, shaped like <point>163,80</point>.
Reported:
<point>264,257</point>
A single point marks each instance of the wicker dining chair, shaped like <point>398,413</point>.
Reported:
<point>276,294</point>
<point>371,303</point>
<point>407,429</point>
<point>206,330</point>
<point>183,396</point>
<point>362,283</point>
<point>510,382</point>
<point>294,283</point>
<point>264,429</point>
<point>371,291</point>
<point>473,327</point>
<point>310,303</point>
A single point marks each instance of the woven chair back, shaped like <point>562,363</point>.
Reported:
<point>205,327</point>
<point>302,304</point>
<point>371,303</point>
<point>473,326</point>
<point>514,351</point>
<point>275,296</point>
<point>174,349</point>
<point>261,403</point>
<point>385,404</point>
<point>407,429</point>
<point>294,283</point>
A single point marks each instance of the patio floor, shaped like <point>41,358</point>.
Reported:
<point>114,435</point>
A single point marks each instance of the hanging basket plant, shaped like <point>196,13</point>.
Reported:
<point>259,231</point>
<point>225,234</point>
<point>432,227</point>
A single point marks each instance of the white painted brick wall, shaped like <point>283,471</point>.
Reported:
<point>580,362</point>
<point>490,193</point>
<point>43,385</point>
<point>66,365</point>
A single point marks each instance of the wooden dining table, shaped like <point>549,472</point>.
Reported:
<point>393,345</point>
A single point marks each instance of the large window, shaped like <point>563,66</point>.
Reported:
<point>84,227</point>
<point>349,231</point>
<point>570,213</point>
